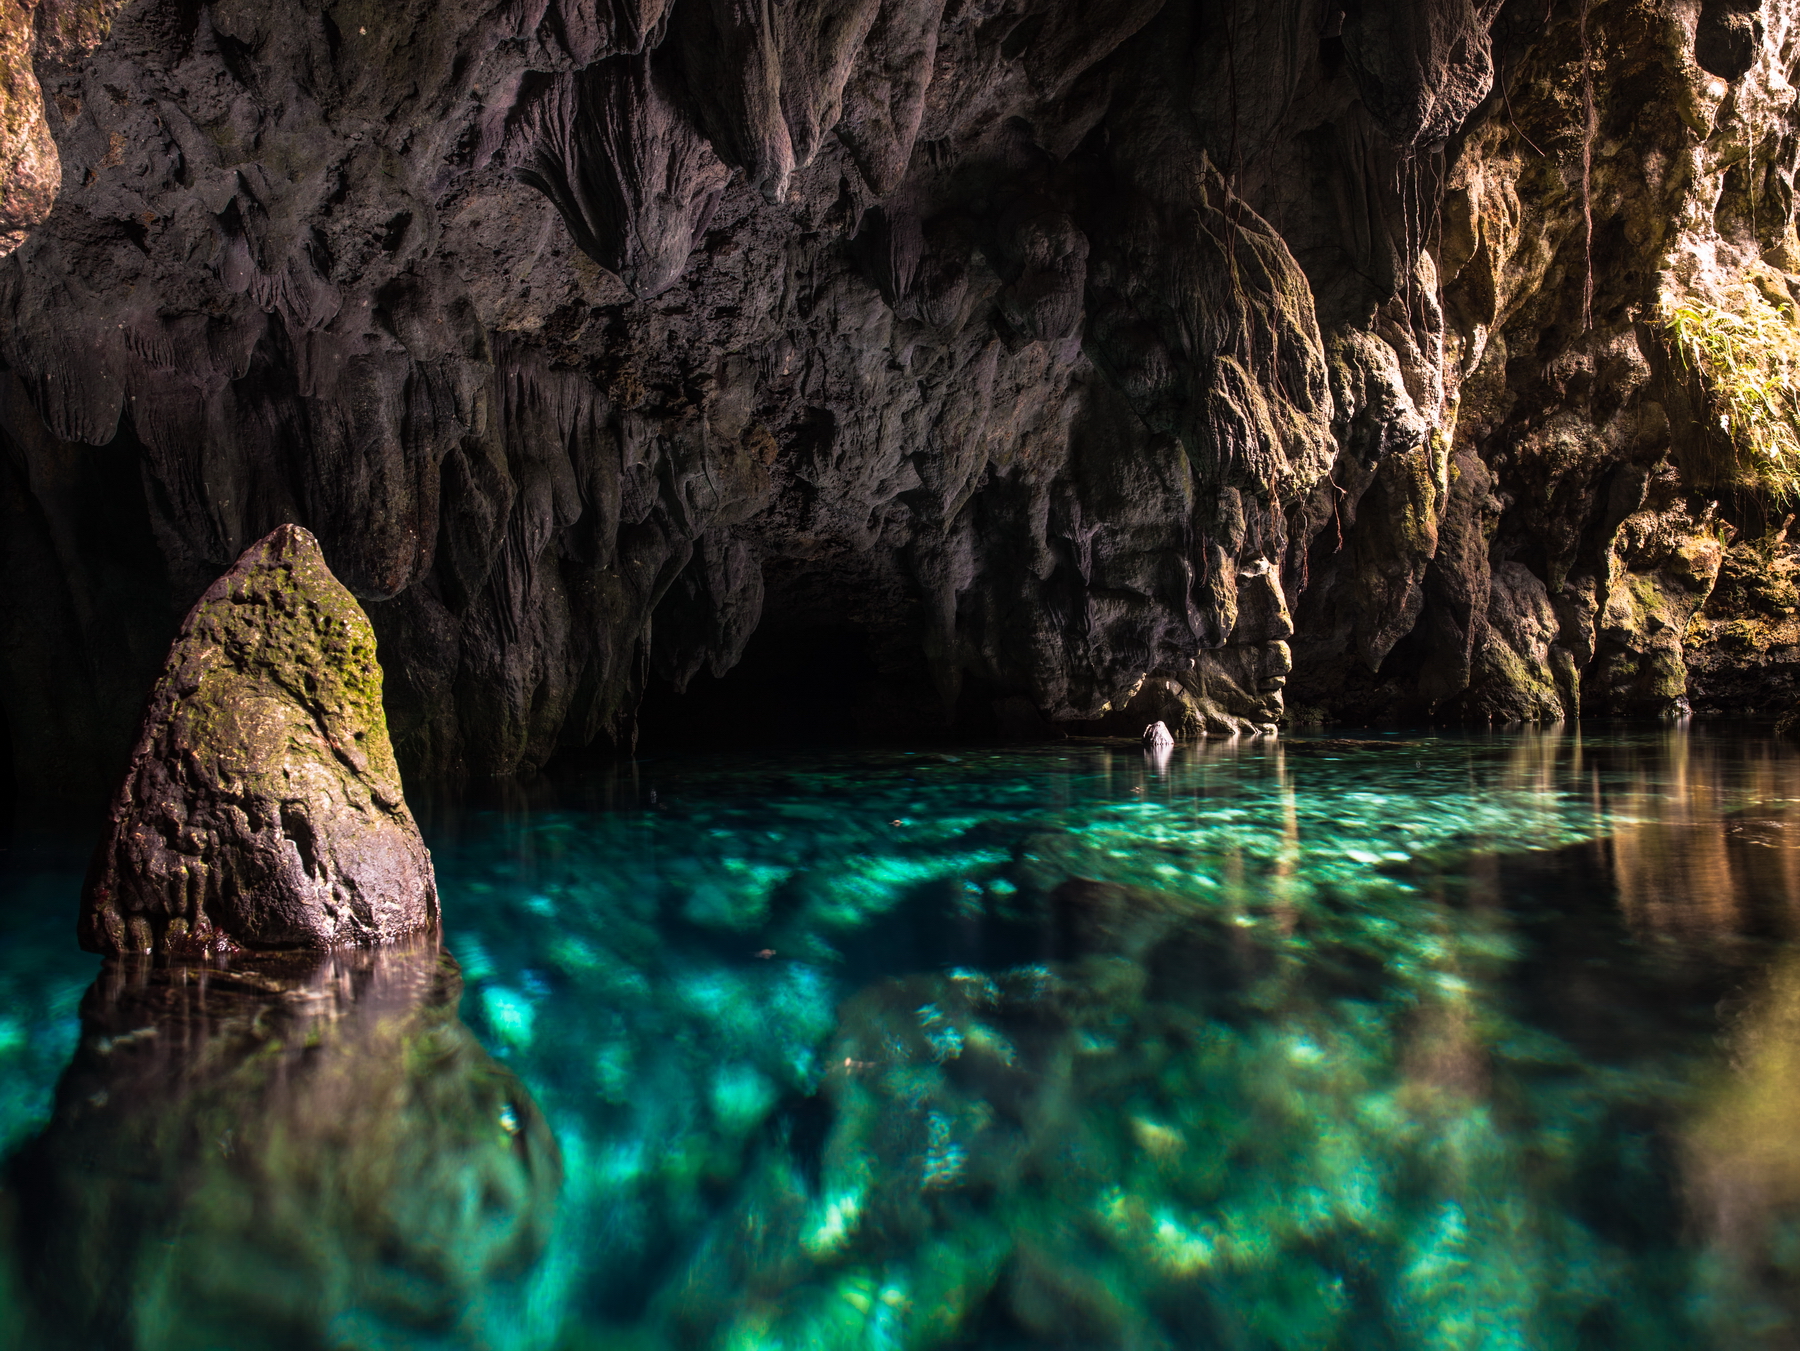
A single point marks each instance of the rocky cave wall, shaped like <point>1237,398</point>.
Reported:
<point>1070,364</point>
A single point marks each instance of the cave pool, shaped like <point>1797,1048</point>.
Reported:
<point>1371,1040</point>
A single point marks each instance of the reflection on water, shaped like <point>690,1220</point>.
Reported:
<point>1742,1174</point>
<point>1689,865</point>
<point>314,1156</point>
<point>1394,1042</point>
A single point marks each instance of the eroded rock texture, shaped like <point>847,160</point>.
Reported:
<point>984,361</point>
<point>57,32</point>
<point>262,808</point>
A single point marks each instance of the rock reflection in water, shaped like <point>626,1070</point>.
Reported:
<point>319,1155</point>
<point>1710,890</point>
<point>1742,1165</point>
<point>1689,865</point>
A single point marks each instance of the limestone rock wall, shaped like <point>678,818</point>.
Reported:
<point>1292,359</point>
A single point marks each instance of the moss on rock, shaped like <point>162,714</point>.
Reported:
<point>262,807</point>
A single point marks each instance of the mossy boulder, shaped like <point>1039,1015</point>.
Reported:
<point>262,807</point>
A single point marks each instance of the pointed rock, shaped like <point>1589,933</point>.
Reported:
<point>262,806</point>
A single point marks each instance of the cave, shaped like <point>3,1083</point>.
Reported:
<point>930,673</point>
<point>590,344</point>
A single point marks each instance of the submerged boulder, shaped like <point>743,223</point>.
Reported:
<point>315,1151</point>
<point>262,806</point>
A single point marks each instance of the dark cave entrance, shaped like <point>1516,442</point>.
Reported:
<point>794,686</point>
<point>837,658</point>
<point>823,685</point>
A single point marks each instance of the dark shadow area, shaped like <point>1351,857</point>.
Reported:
<point>89,607</point>
<point>812,686</point>
<point>9,788</point>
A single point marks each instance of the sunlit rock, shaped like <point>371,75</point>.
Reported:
<point>60,32</point>
<point>262,807</point>
<point>30,172</point>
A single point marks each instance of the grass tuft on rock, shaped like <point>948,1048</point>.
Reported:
<point>1748,359</point>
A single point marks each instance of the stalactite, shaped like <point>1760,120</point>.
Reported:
<point>1042,245</point>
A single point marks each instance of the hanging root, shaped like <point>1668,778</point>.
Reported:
<point>1587,172</point>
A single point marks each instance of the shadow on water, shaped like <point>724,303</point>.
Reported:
<point>317,1154</point>
<point>1411,1042</point>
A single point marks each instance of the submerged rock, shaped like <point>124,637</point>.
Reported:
<point>262,807</point>
<point>312,1152</point>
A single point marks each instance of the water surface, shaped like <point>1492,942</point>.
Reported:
<point>1358,1042</point>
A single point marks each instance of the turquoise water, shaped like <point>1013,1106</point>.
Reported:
<point>1372,1042</point>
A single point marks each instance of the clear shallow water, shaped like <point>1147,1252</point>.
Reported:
<point>1445,1042</point>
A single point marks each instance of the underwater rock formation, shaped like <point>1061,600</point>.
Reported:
<point>315,1154</point>
<point>262,807</point>
<point>1306,361</point>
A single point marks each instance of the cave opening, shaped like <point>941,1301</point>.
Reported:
<point>805,685</point>
<point>835,658</point>
<point>823,685</point>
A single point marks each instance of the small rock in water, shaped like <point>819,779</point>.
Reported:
<point>1157,734</point>
<point>262,806</point>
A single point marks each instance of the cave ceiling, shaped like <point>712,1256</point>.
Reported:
<point>1223,362</point>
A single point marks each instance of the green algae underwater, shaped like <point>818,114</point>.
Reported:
<point>1484,1041</point>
